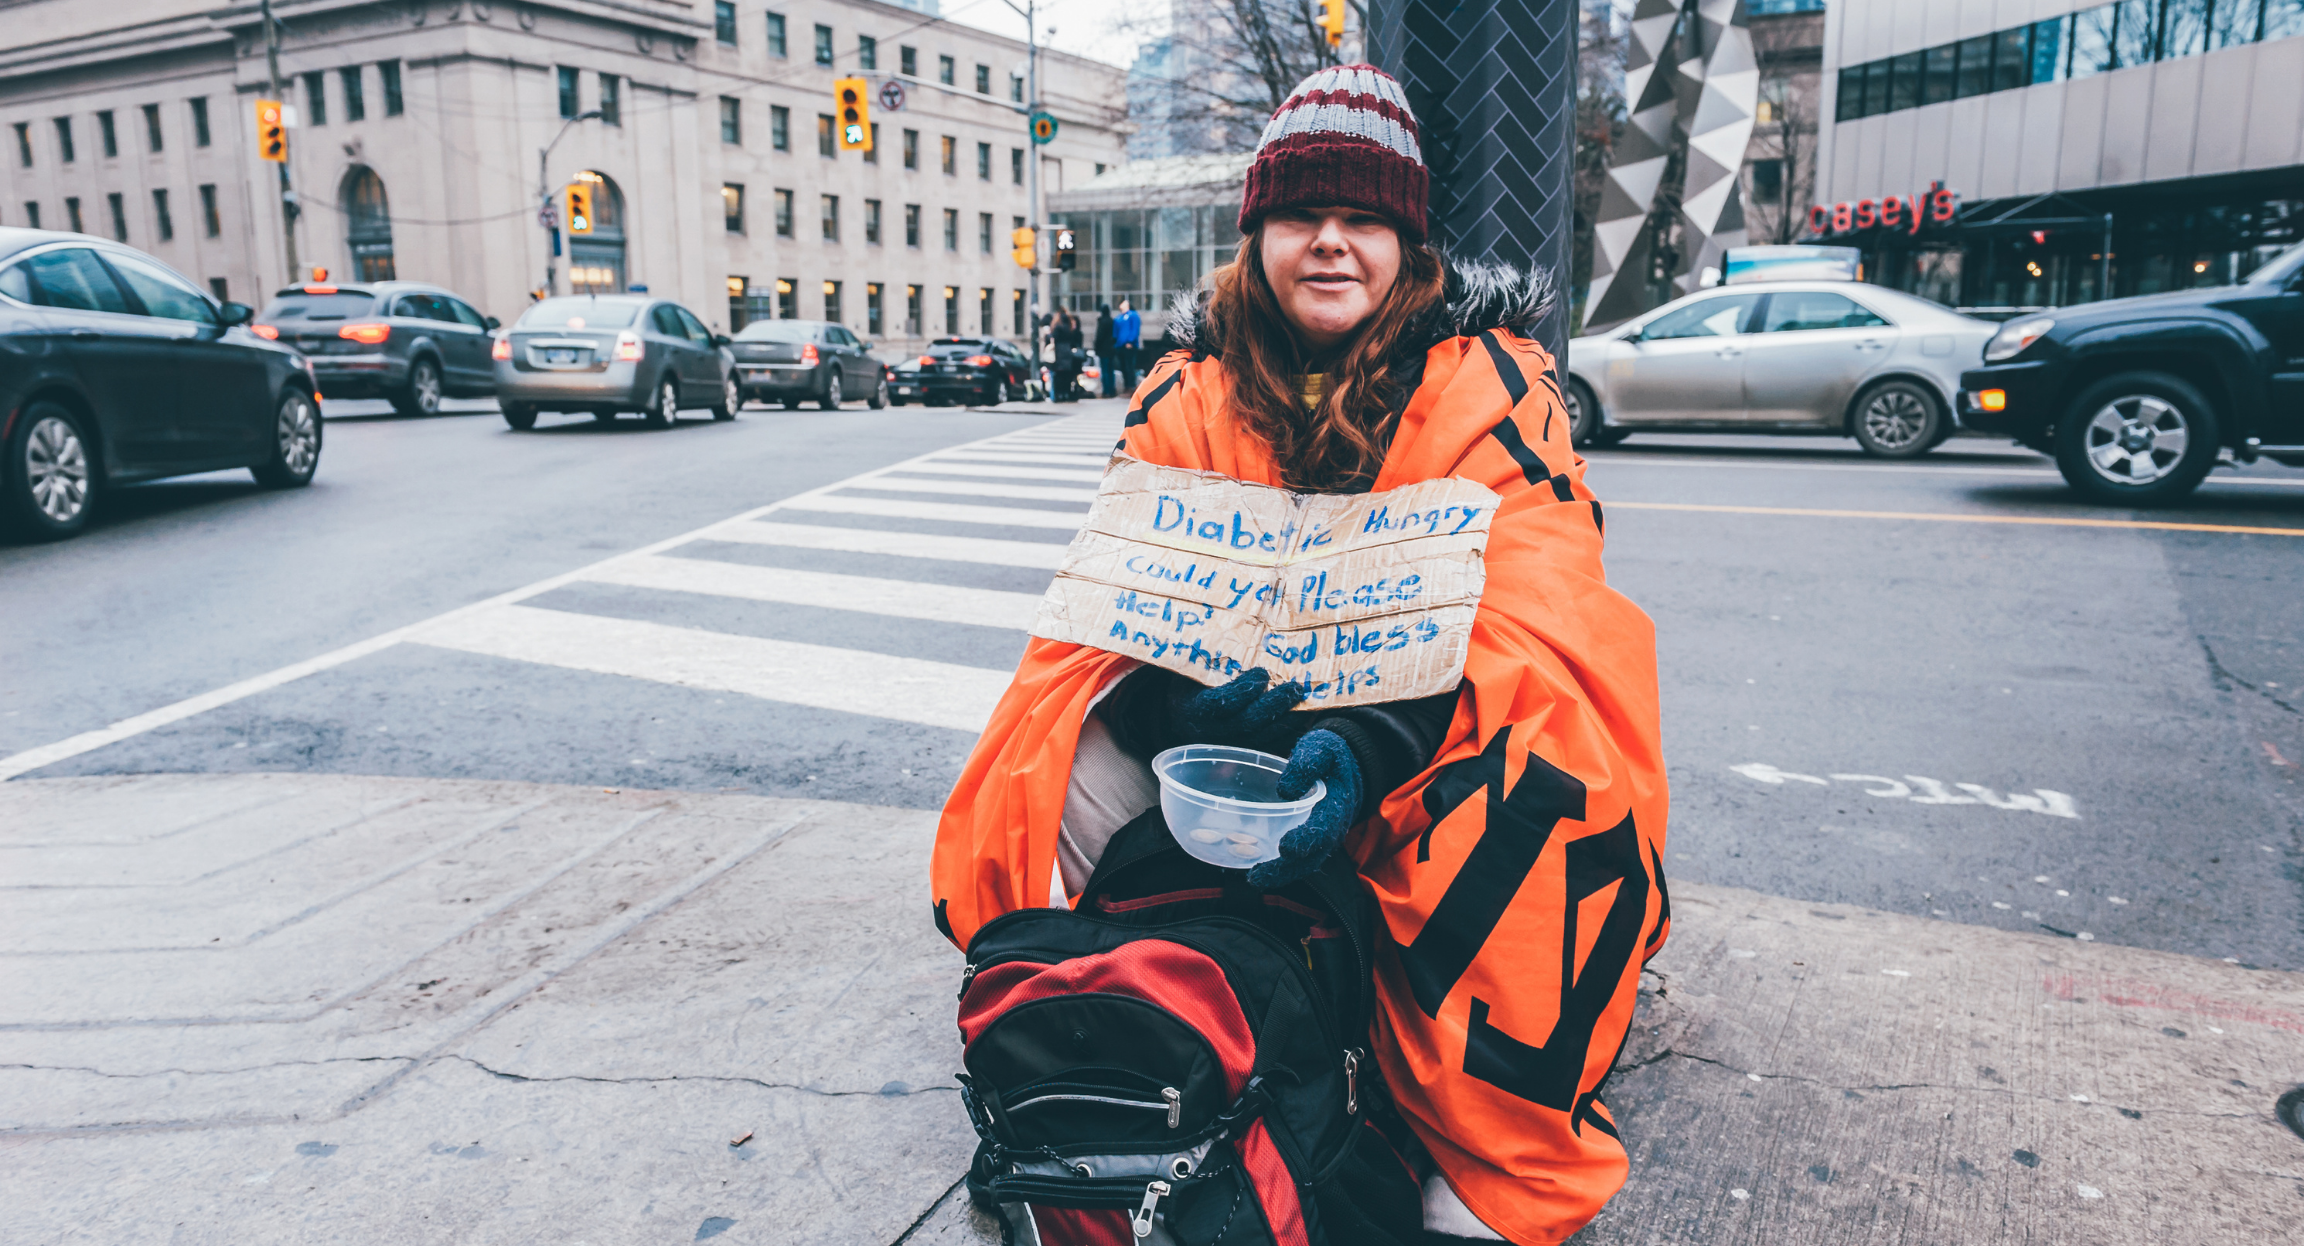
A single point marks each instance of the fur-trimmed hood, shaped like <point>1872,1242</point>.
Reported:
<point>1476,296</point>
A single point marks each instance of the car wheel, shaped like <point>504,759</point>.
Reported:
<point>1898,420</point>
<point>295,444</point>
<point>421,396</point>
<point>520,416</point>
<point>2138,439</point>
<point>665,411</point>
<point>1583,413</point>
<point>879,396</point>
<point>49,478</point>
<point>831,399</point>
<point>731,399</point>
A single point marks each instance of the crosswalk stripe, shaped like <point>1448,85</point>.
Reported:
<point>943,512</point>
<point>913,690</point>
<point>1022,456</point>
<point>1043,555</point>
<point>965,488</point>
<point>904,599</point>
<point>995,469</point>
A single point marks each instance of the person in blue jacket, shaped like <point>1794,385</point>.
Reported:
<point>1127,342</point>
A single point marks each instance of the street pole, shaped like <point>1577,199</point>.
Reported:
<point>1032,174</point>
<point>544,201</point>
<point>288,207</point>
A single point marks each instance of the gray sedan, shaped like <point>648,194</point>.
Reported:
<point>608,353</point>
<point>1794,356</point>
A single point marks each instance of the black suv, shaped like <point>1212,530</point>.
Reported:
<point>402,340</point>
<point>2138,397</point>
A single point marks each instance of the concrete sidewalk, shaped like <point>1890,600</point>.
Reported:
<point>261,1008</point>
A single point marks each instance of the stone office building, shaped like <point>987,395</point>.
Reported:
<point>712,169</point>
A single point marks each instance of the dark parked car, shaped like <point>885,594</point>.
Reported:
<point>114,368</point>
<point>2138,397</point>
<point>402,340</point>
<point>904,383</point>
<point>807,360</point>
<point>982,370</point>
<point>608,353</point>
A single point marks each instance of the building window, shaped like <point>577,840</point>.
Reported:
<point>611,100</point>
<point>911,224</point>
<point>776,34</point>
<point>199,122</point>
<point>1016,87</point>
<point>832,301</point>
<point>32,213</point>
<point>944,70</point>
<point>316,99</point>
<point>388,72</point>
<point>64,142</point>
<point>831,220</point>
<point>119,205</point>
<point>731,120</point>
<point>1016,165</point>
<point>873,323</point>
<point>951,229</point>
<point>984,311</point>
<point>72,214</point>
<point>1767,181</point>
<point>220,288</point>
<point>872,221</point>
<point>24,143</point>
<point>1016,311</point>
<point>779,127</point>
<point>983,162</point>
<point>872,153</point>
<point>983,79</point>
<point>827,144</point>
<point>724,22</point>
<point>951,160</point>
<point>165,223</point>
<point>908,62</point>
<point>569,105</point>
<point>355,93</point>
<point>110,135</point>
<point>783,214</point>
<point>951,310</point>
<point>984,234</point>
<point>152,127</point>
<point>823,45</point>
<point>732,206</point>
<point>210,223</point>
<point>911,146</point>
<point>787,299</point>
<point>867,52</point>
<point>912,311</point>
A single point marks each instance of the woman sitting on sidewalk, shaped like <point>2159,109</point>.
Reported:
<point>1512,830</point>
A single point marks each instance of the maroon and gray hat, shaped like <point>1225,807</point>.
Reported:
<point>1343,138</point>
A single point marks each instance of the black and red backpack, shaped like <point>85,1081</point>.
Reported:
<point>1182,1060</point>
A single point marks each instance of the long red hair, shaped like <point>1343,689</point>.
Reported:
<point>1338,446</point>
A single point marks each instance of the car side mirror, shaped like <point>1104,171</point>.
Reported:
<point>721,339</point>
<point>492,323</point>
<point>232,314</point>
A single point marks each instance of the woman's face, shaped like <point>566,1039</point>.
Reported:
<point>1330,268</point>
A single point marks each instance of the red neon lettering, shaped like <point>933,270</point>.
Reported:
<point>1841,214</point>
<point>1945,204</point>
<point>1892,212</point>
<point>1819,218</point>
<point>1867,214</point>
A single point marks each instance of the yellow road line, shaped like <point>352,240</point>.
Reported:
<point>1941,517</point>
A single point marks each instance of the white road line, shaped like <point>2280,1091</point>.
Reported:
<point>904,599</point>
<point>947,512</point>
<point>1035,554</point>
<point>966,488</point>
<point>944,467</point>
<point>913,690</point>
<point>1096,461</point>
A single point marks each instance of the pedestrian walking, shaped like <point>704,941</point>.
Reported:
<point>1064,338</point>
<point>1511,832</point>
<point>1127,344</point>
<point>1107,357</point>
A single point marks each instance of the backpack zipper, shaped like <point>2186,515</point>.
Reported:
<point>1175,1100</point>
<point>967,975</point>
<point>1171,1102</point>
<point>1351,1082</point>
<point>1141,1222</point>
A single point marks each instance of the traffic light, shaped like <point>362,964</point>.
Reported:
<point>1332,20</point>
<point>1027,244</point>
<point>579,208</point>
<point>1067,250</point>
<point>855,114</point>
<point>271,132</point>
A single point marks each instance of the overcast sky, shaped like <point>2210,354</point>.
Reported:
<point>1085,27</point>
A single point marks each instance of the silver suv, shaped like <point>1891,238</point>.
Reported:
<point>403,340</point>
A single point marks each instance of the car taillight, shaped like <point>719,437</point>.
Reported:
<point>366,334</point>
<point>265,331</point>
<point>981,361</point>
<point>502,349</point>
<point>808,355</point>
<point>628,346</point>
<point>319,289</point>
<point>927,361</point>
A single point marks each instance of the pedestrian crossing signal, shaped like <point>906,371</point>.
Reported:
<point>855,114</point>
<point>1067,250</point>
<point>1027,247</point>
<point>1332,21</point>
<point>579,209</point>
<point>271,132</point>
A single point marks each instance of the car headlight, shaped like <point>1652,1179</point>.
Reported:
<point>2015,336</point>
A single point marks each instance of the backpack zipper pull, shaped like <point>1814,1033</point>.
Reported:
<point>1141,1222</point>
<point>1175,1100</point>
<point>967,975</point>
<point>1351,1081</point>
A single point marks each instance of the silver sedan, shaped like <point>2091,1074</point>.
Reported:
<point>1791,356</point>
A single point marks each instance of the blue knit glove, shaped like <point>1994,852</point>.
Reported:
<point>1241,712</point>
<point>1319,756</point>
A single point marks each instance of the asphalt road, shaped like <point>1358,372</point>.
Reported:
<point>2086,729</point>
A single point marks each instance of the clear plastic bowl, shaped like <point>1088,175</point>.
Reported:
<point>1223,805</point>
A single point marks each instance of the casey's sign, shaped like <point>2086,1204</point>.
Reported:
<point>1933,206</point>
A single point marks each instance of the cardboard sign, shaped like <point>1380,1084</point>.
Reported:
<point>1362,598</point>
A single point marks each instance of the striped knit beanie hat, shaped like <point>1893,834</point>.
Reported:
<point>1343,138</point>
